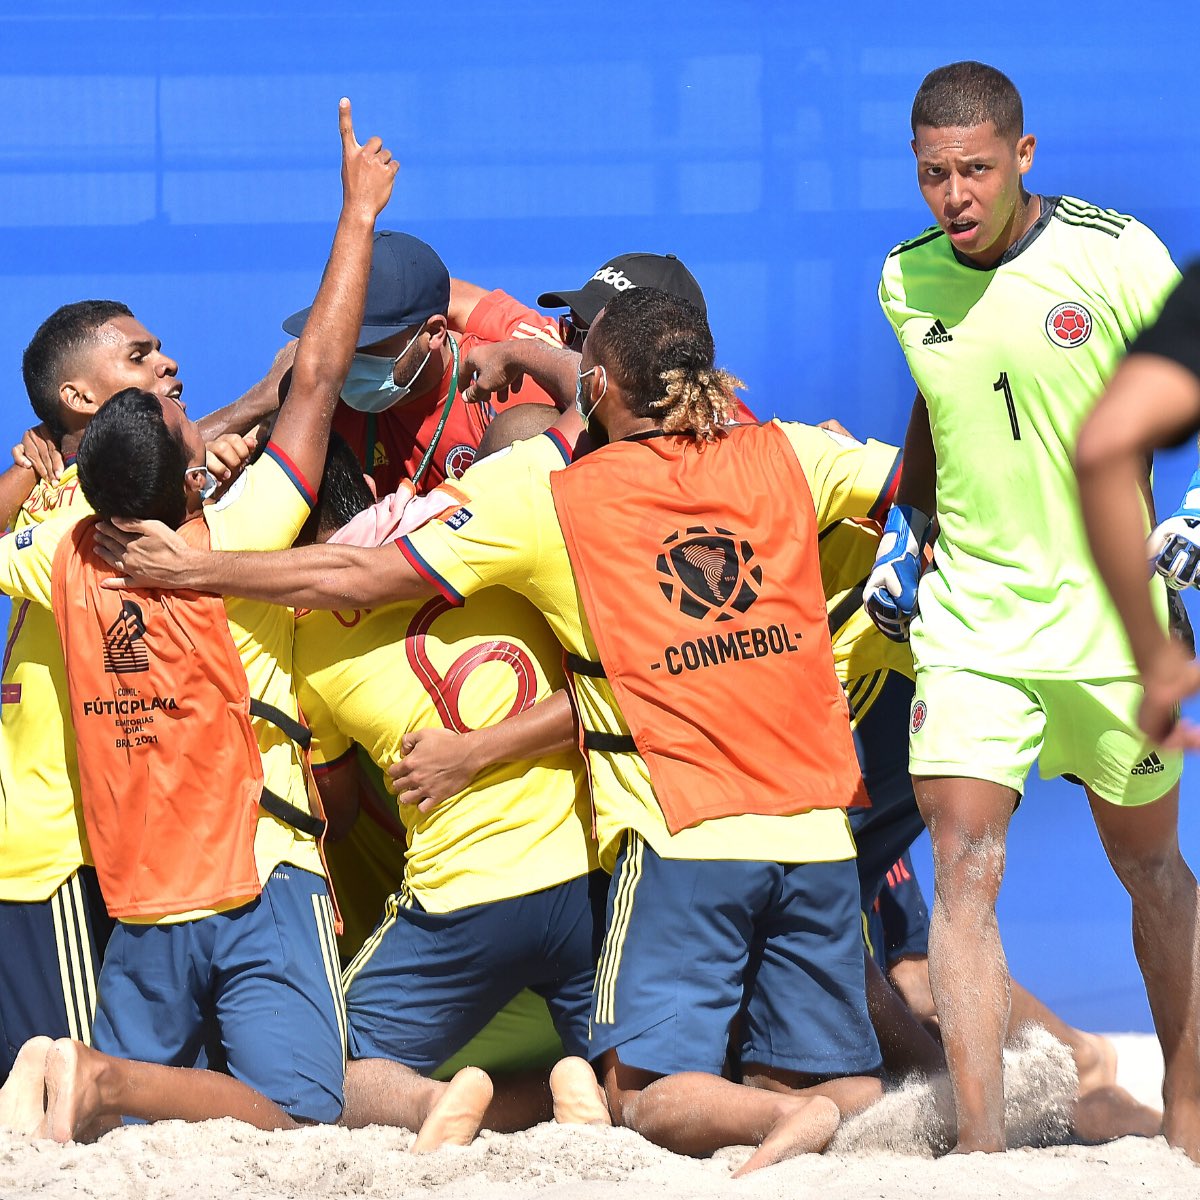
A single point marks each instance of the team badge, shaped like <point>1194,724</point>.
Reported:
<point>919,713</point>
<point>705,571</point>
<point>1068,324</point>
<point>458,460</point>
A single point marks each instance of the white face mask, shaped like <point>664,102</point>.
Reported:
<point>585,417</point>
<point>210,484</point>
<point>370,385</point>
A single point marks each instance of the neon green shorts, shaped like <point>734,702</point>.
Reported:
<point>520,1037</point>
<point>990,727</point>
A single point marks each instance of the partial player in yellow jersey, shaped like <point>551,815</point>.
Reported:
<point>261,975</point>
<point>1012,311</point>
<point>500,889</point>
<point>51,913</point>
<point>724,890</point>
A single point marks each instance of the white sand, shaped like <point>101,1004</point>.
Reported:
<point>222,1160</point>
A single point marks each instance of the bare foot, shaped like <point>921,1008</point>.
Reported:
<point>72,1095</point>
<point>1181,1125</point>
<point>457,1113</point>
<point>23,1096</point>
<point>578,1097</point>
<point>1105,1113</point>
<point>1096,1062</point>
<point>805,1129</point>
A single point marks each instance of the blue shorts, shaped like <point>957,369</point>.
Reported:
<point>426,983</point>
<point>691,944</point>
<point>263,976</point>
<point>898,920</point>
<point>884,831</point>
<point>49,965</point>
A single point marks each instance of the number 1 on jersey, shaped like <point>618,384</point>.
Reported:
<point>1001,385</point>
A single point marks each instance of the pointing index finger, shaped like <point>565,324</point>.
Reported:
<point>346,125</point>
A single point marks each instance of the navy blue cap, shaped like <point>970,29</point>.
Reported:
<point>408,283</point>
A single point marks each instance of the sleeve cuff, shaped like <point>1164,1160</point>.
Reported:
<point>423,568</point>
<point>294,473</point>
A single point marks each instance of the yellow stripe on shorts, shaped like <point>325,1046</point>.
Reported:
<point>323,911</point>
<point>360,960</point>
<point>614,940</point>
<point>76,973</point>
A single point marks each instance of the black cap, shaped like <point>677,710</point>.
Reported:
<point>662,271</point>
<point>408,283</point>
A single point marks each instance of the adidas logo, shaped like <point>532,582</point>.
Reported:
<point>615,278</point>
<point>937,334</point>
<point>1149,766</point>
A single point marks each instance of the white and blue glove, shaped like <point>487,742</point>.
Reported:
<point>890,596</point>
<point>1174,546</point>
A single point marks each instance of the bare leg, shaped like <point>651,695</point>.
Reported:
<point>968,822</point>
<point>84,1086</point>
<point>1095,1056</point>
<point>904,1041</point>
<point>909,975</point>
<point>578,1096</point>
<point>1142,845</point>
<point>696,1113</point>
<point>23,1096</point>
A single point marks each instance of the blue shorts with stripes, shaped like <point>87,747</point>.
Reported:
<point>690,945</point>
<point>898,920</point>
<point>425,983</point>
<point>884,831</point>
<point>262,980</point>
<point>52,950</point>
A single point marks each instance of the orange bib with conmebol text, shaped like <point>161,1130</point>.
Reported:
<point>699,575</point>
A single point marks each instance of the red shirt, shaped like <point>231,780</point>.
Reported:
<point>402,434</point>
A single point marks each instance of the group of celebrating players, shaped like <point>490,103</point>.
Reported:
<point>657,765</point>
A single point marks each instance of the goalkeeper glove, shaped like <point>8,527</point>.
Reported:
<point>890,596</point>
<point>1174,546</point>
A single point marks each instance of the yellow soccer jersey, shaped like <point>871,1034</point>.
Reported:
<point>371,676</point>
<point>43,839</point>
<point>508,534</point>
<point>263,511</point>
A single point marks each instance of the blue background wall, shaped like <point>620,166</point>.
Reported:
<point>184,158</point>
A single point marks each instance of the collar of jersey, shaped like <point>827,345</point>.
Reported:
<point>1049,204</point>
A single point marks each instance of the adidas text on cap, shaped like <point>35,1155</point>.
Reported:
<point>408,283</point>
<point>662,271</point>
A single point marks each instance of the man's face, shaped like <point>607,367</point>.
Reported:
<point>179,422</point>
<point>971,179</point>
<point>123,354</point>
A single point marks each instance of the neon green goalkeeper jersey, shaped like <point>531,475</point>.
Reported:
<point>1010,360</point>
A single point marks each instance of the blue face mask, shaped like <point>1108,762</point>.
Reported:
<point>585,417</point>
<point>370,385</point>
<point>210,484</point>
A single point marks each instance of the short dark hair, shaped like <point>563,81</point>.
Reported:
<point>51,349</point>
<point>516,423</point>
<point>343,493</point>
<point>131,463</point>
<point>660,350</point>
<point>967,94</point>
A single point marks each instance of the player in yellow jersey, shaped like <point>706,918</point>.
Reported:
<point>500,890</point>
<point>259,975</point>
<point>677,953</point>
<point>1012,311</point>
<point>52,916</point>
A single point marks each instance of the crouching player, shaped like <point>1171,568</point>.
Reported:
<point>500,889</point>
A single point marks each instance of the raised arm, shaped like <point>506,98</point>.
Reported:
<point>495,367</point>
<point>331,331</point>
<point>463,298</point>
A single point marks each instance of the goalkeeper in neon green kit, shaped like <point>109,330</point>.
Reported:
<point>1012,312</point>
